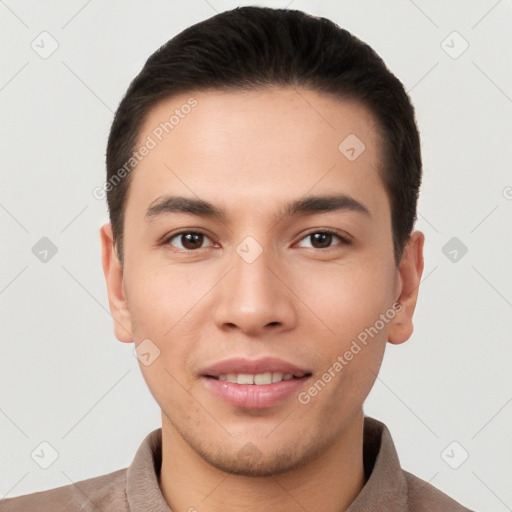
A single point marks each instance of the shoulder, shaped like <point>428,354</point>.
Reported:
<point>99,493</point>
<point>424,497</point>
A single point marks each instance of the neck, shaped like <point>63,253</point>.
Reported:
<point>328,483</point>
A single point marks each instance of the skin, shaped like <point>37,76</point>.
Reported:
<point>249,153</point>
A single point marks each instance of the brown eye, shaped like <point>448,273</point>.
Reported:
<point>323,239</point>
<point>189,240</point>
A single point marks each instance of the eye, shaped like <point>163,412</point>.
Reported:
<point>192,240</point>
<point>323,239</point>
<point>188,240</point>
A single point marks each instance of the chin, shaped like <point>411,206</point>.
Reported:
<point>265,466</point>
<point>250,461</point>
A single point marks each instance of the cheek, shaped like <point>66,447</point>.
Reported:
<point>350,300</point>
<point>160,300</point>
<point>165,307</point>
<point>160,309</point>
<point>348,297</point>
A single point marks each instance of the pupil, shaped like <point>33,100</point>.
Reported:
<point>192,240</point>
<point>323,238</point>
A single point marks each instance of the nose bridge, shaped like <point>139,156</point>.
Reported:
<point>251,279</point>
<point>251,297</point>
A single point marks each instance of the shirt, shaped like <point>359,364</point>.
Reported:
<point>388,487</point>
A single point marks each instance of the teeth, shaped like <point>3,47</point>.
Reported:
<point>278,376</point>
<point>245,378</point>
<point>263,378</point>
<point>260,378</point>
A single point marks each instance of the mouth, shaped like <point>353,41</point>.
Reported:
<point>254,384</point>
<point>258,379</point>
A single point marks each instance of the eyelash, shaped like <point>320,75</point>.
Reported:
<point>344,240</point>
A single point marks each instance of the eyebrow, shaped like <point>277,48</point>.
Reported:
<point>305,206</point>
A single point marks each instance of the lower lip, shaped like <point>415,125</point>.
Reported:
<point>254,396</point>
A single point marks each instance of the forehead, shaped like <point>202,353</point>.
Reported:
<point>256,147</point>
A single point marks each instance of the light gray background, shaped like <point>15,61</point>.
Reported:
<point>65,379</point>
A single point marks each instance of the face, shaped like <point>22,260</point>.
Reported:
<point>257,249</point>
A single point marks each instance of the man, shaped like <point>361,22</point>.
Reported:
<point>263,172</point>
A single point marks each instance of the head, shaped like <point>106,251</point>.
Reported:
<point>263,172</point>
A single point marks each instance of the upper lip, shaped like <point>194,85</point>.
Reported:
<point>240,365</point>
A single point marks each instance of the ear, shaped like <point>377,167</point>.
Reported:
<point>409,274</point>
<point>114,279</point>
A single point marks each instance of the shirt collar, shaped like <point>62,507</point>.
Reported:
<point>385,485</point>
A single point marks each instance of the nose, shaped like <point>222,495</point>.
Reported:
<point>254,298</point>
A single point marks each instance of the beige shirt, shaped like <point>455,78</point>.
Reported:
<point>135,489</point>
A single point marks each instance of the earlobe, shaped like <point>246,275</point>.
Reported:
<point>114,280</point>
<point>410,271</point>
